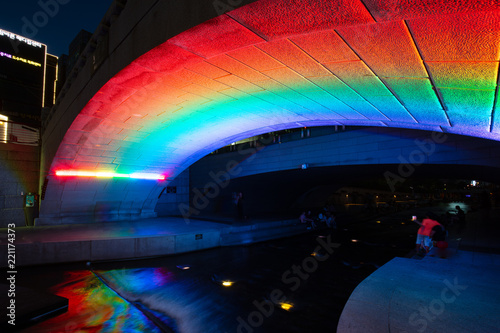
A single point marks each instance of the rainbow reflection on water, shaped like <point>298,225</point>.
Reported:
<point>93,307</point>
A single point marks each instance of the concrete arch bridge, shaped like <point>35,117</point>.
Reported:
<point>164,83</point>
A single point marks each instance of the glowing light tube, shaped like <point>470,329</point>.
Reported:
<point>101,174</point>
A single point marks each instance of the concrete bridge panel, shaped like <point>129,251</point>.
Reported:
<point>373,146</point>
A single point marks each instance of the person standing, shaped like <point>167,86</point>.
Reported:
<point>460,218</point>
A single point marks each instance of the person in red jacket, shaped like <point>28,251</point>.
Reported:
<point>425,232</point>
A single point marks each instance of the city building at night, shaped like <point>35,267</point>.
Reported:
<point>66,62</point>
<point>28,77</point>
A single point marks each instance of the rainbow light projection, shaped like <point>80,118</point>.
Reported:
<point>275,64</point>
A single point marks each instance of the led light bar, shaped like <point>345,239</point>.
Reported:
<point>101,174</point>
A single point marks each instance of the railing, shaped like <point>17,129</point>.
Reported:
<point>12,132</point>
<point>283,136</point>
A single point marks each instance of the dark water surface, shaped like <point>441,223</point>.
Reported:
<point>297,284</point>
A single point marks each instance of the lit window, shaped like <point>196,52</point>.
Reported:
<point>4,126</point>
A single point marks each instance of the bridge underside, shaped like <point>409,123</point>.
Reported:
<point>272,65</point>
<point>285,193</point>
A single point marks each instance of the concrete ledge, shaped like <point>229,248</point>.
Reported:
<point>111,249</point>
<point>83,218</point>
<point>135,239</point>
<point>154,246</point>
<point>197,241</point>
<point>39,253</point>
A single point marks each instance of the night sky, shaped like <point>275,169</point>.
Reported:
<point>57,25</point>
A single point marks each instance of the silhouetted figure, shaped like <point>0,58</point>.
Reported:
<point>460,219</point>
<point>438,233</point>
<point>447,219</point>
<point>438,236</point>
<point>305,219</point>
<point>330,221</point>
<point>239,206</point>
<point>321,220</point>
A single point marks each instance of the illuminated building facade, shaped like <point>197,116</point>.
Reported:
<point>27,78</point>
<point>51,70</point>
<point>27,88</point>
